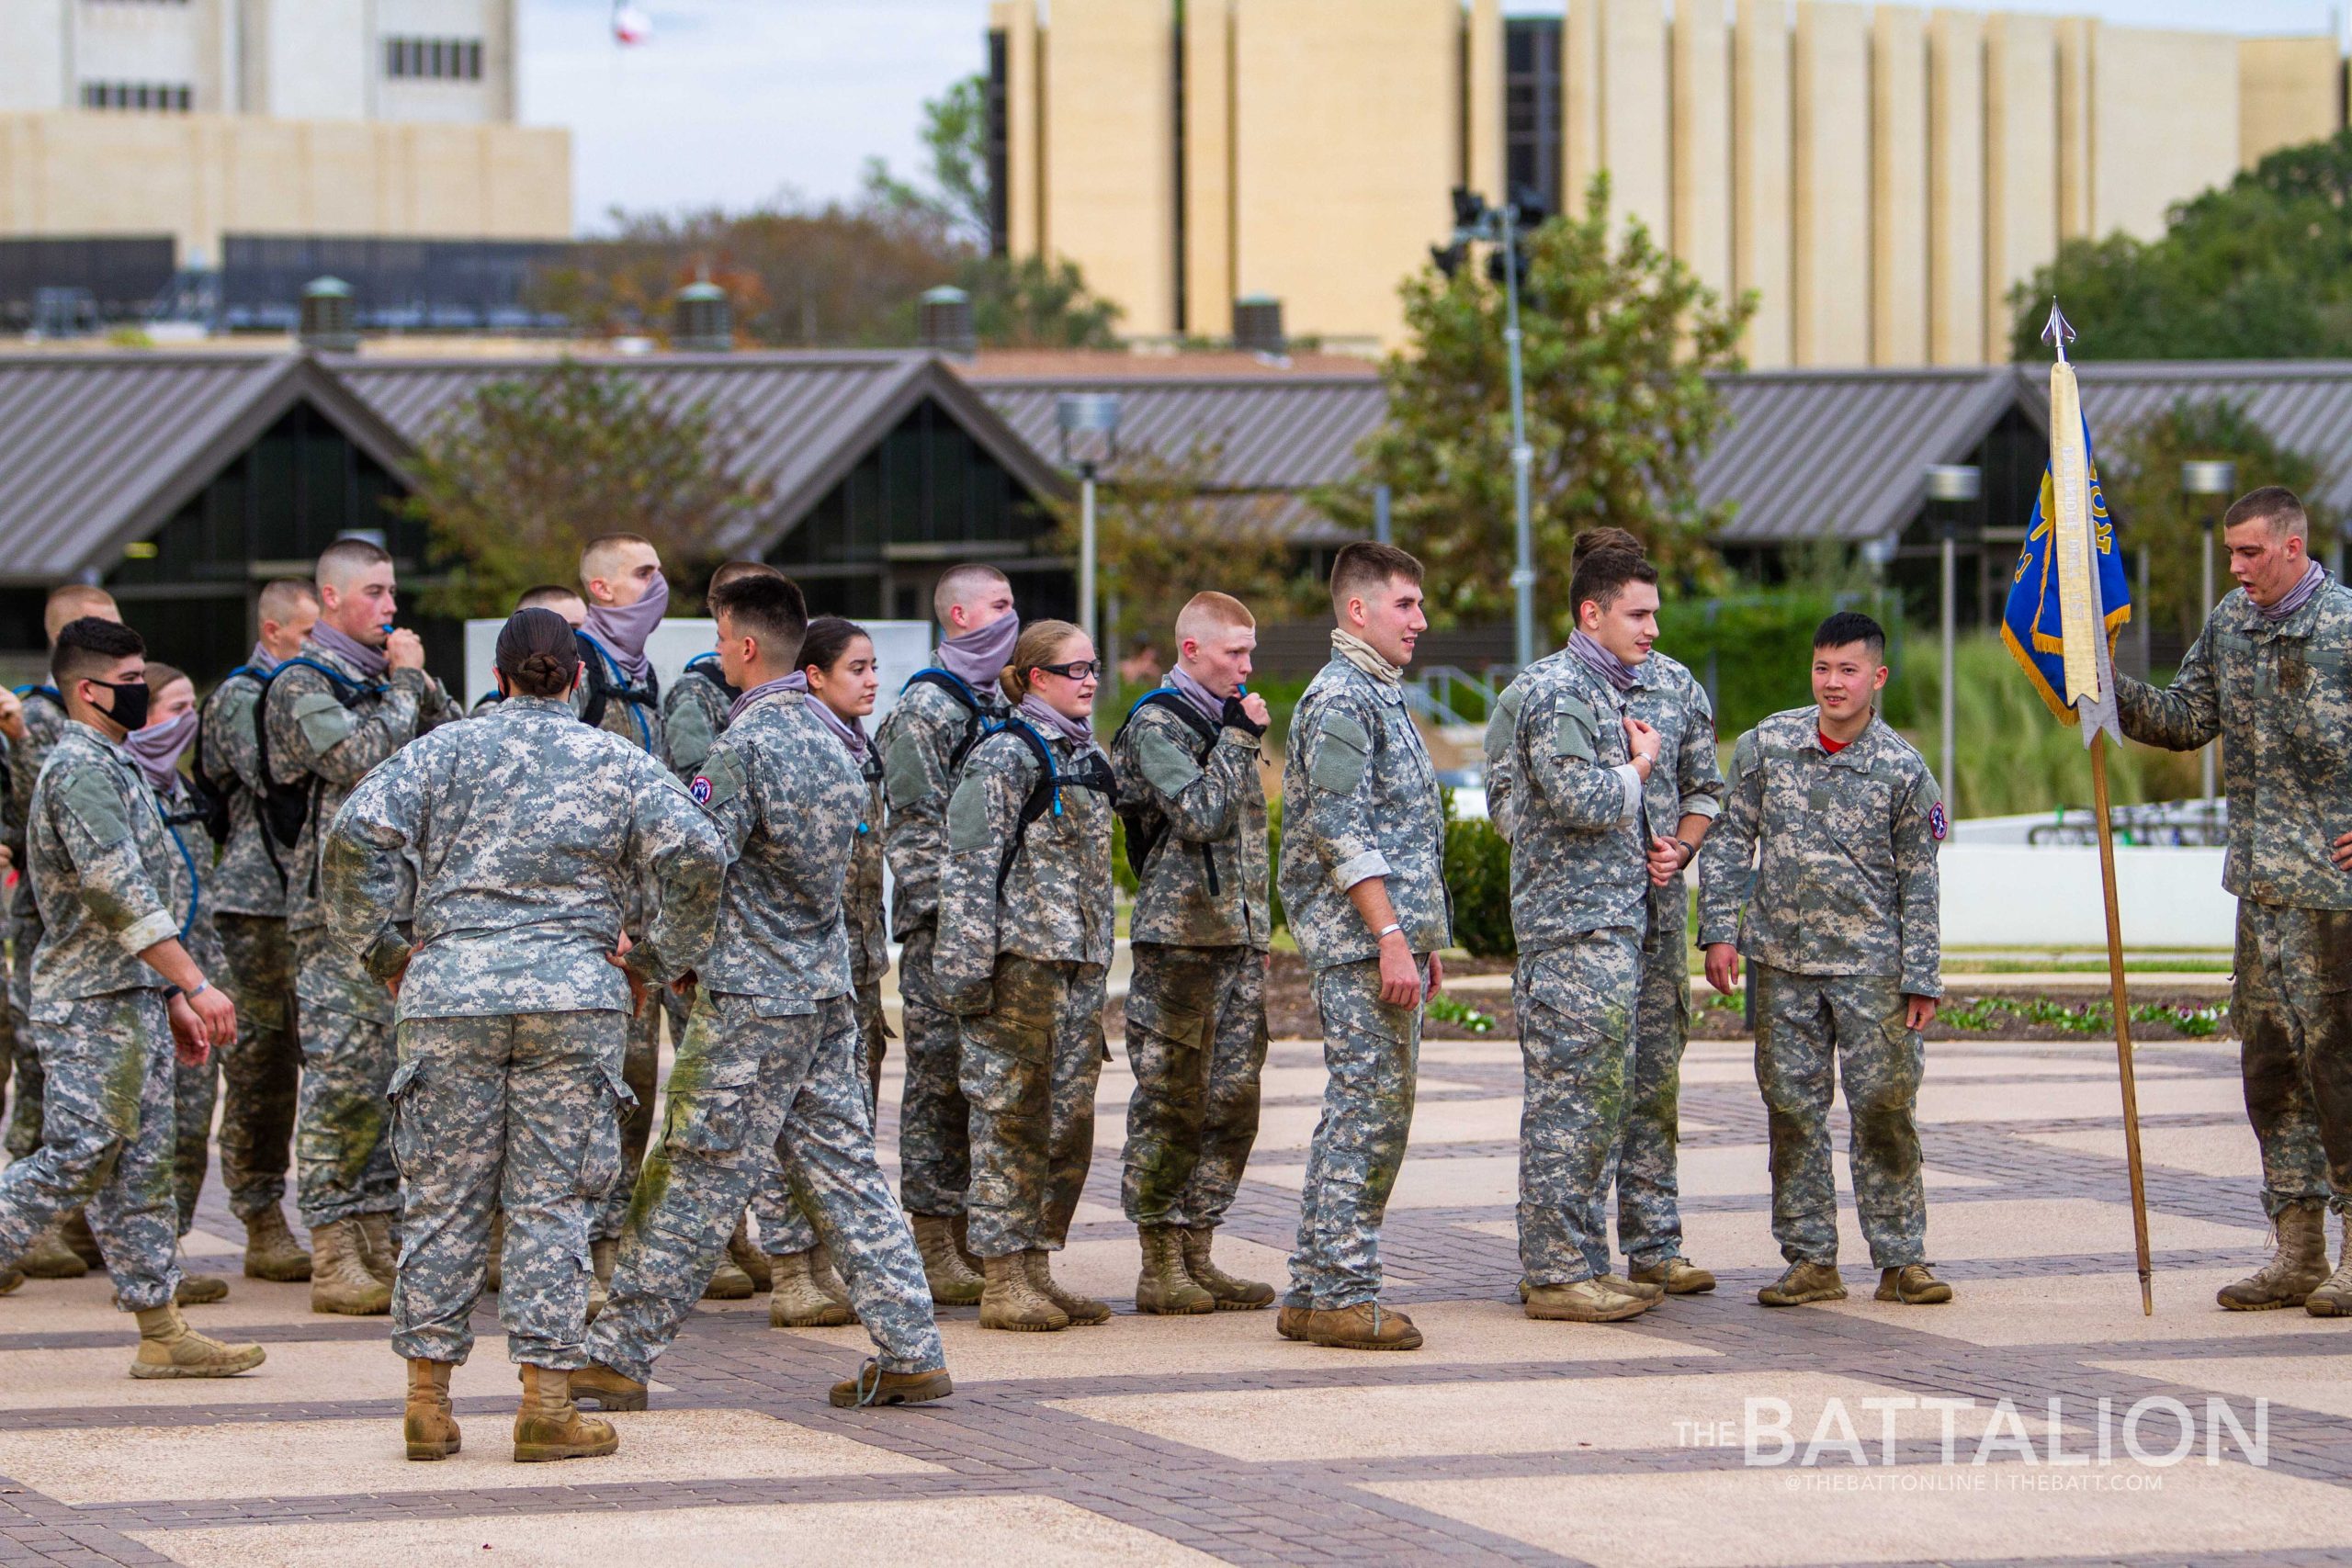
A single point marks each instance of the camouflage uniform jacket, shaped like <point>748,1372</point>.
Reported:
<point>1055,906</point>
<point>1204,884</point>
<point>1687,779</point>
<point>45,724</point>
<point>184,823</point>
<point>246,880</point>
<point>694,714</point>
<point>1844,851</point>
<point>916,743</point>
<point>2278,694</point>
<point>316,741</point>
<point>638,723</point>
<point>107,880</point>
<point>1576,858</point>
<point>1360,799</point>
<point>869,932</point>
<point>527,829</point>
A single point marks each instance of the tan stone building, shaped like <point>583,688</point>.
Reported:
<point>199,119</point>
<point>1881,176</point>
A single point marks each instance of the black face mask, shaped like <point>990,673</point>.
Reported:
<point>129,708</point>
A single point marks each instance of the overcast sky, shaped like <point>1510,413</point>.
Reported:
<point>736,101</point>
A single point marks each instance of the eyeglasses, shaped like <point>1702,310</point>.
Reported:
<point>1076,669</point>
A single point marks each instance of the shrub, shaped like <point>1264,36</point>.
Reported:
<point>1477,872</point>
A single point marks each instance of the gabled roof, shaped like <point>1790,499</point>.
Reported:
<point>97,451</point>
<point>2301,404</point>
<point>798,422</point>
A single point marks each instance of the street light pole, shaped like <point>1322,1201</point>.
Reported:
<point>1951,486</point>
<point>2209,482</point>
<point>1088,423</point>
<point>1522,459</point>
<point>1086,552</point>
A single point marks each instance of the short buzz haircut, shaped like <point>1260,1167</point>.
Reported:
<point>346,558</point>
<point>728,571</point>
<point>1211,610</point>
<point>958,584</point>
<point>2274,504</point>
<point>1605,573</point>
<point>596,555</point>
<point>545,595</point>
<point>1364,566</point>
<point>88,647</point>
<point>772,609</point>
<point>70,601</point>
<point>1849,626</point>
<point>282,599</point>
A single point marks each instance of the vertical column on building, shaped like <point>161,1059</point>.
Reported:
<point>1636,119</point>
<point>1110,142</point>
<point>2077,44</point>
<point>1761,237</point>
<point>2020,161</point>
<point>1701,98</point>
<point>1483,93</point>
<point>2290,93</point>
<point>1956,189</point>
<point>1024,108</point>
<point>1209,167</point>
<point>499,64</point>
<point>1831,169</point>
<point>1580,152</point>
<point>1898,191</point>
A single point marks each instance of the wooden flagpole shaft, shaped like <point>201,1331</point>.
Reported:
<point>2122,1020</point>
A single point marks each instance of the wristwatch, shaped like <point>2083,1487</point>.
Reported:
<point>1690,849</point>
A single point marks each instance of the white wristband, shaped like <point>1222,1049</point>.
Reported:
<point>1382,934</point>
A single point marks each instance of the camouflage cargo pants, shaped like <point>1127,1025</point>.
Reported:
<point>1371,1051</point>
<point>340,1114</point>
<point>261,1073</point>
<point>106,1141</point>
<point>786,1225</point>
<point>2291,1004</point>
<point>1575,1024</point>
<point>1649,1219</point>
<point>641,1071</point>
<point>1810,1028</point>
<point>196,1094</point>
<point>520,1111</point>
<point>742,1077</point>
<point>935,1121</point>
<point>24,1119</point>
<point>1030,1065</point>
<point>1196,1038</point>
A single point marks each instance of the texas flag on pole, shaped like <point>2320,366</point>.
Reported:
<point>630,26</point>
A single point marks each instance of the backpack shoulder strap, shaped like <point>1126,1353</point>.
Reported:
<point>1176,703</point>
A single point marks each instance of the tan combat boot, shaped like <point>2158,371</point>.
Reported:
<point>340,1281</point>
<point>609,1389</point>
<point>1008,1300</point>
<point>378,1251</point>
<point>2334,1297</point>
<point>271,1251</point>
<point>1914,1284</point>
<point>874,1386</point>
<point>749,1259</point>
<point>952,1282</point>
<point>829,1280</point>
<point>960,1227</point>
<point>1584,1300</point>
<point>496,1276</point>
<point>76,1232</point>
<point>427,1424</point>
<point>168,1348</point>
<point>1677,1276</point>
<point>1083,1312</point>
<point>550,1426</point>
<point>1365,1326</point>
<point>1804,1283</point>
<point>728,1283</point>
<point>1290,1323</point>
<point>200,1289</point>
<point>799,1302</point>
<point>11,1281</point>
<point>1652,1293</point>
<point>2294,1271</point>
<point>1164,1288</point>
<point>50,1258</point>
<point>1230,1294</point>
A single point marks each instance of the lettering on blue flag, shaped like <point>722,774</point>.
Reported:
<point>2031,622</point>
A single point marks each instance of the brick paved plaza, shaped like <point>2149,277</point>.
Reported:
<point>1176,1440</point>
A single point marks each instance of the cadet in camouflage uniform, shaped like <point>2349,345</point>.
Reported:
<point>1840,818</point>
<point>261,1071</point>
<point>1186,763</point>
<point>1025,899</point>
<point>2270,678</point>
<point>324,736</point>
<point>772,1051</point>
<point>530,832</point>
<point>1363,879</point>
<point>938,714</point>
<point>113,993</point>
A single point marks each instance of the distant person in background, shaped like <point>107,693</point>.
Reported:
<point>564,601</point>
<point>1142,665</point>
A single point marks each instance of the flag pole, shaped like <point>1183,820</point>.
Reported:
<point>2122,1022</point>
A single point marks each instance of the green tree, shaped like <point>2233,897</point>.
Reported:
<point>955,143</point>
<point>2140,477</point>
<point>1033,303</point>
<point>523,472</point>
<point>2255,269</point>
<point>1620,337</point>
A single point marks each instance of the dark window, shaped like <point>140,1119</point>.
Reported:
<point>999,135</point>
<point>433,59</point>
<point>171,97</point>
<point>1532,111</point>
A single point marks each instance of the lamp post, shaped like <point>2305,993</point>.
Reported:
<point>2207,483</point>
<point>1088,423</point>
<point>1474,220</point>
<point>1951,487</point>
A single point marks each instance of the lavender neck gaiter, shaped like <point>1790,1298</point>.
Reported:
<point>623,629</point>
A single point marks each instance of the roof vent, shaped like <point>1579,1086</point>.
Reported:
<point>1258,325</point>
<point>943,323</point>
<point>330,317</point>
<point>701,319</point>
